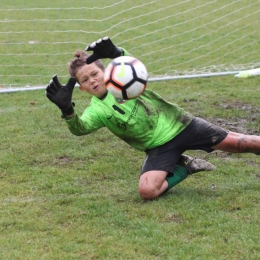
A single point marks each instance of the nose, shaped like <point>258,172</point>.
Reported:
<point>91,80</point>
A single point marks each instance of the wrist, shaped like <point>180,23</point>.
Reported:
<point>69,111</point>
<point>125,52</point>
<point>117,52</point>
<point>122,51</point>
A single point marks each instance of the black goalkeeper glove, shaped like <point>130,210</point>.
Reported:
<point>61,95</point>
<point>103,48</point>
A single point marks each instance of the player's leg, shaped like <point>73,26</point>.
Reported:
<point>239,143</point>
<point>154,183</point>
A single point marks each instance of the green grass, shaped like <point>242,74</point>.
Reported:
<point>68,197</point>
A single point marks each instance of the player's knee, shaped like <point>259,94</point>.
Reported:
<point>150,184</point>
<point>148,191</point>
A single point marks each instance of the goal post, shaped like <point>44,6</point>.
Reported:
<point>173,38</point>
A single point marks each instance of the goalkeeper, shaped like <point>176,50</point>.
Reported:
<point>163,130</point>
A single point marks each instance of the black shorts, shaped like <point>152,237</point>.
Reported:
<point>198,135</point>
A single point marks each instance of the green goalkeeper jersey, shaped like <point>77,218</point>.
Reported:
<point>144,122</point>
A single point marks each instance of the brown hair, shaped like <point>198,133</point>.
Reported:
<point>79,61</point>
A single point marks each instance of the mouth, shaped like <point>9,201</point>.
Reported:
<point>95,87</point>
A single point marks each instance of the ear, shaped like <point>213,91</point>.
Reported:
<point>82,89</point>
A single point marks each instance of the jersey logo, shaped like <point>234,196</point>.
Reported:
<point>120,100</point>
<point>122,126</point>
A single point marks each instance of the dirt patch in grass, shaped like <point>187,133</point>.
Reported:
<point>236,124</point>
<point>63,159</point>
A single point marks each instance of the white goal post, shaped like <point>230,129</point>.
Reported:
<point>173,38</point>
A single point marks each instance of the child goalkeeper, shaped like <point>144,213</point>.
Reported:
<point>163,130</point>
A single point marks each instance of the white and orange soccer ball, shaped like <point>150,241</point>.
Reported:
<point>126,77</point>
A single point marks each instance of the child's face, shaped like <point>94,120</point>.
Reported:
<point>91,80</point>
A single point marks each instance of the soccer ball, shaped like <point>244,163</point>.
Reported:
<point>126,77</point>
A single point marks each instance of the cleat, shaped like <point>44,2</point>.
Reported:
<point>193,165</point>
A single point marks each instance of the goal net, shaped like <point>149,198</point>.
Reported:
<point>173,38</point>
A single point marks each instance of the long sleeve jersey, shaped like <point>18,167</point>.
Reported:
<point>144,122</point>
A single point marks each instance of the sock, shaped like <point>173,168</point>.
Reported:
<point>179,174</point>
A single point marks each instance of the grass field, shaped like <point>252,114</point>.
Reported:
<point>68,197</point>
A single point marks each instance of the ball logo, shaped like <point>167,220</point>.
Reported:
<point>121,73</point>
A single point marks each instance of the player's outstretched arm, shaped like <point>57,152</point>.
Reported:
<point>103,48</point>
<point>61,95</point>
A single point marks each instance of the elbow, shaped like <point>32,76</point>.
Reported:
<point>75,132</point>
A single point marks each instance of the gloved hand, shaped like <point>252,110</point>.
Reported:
<point>61,95</point>
<point>103,48</point>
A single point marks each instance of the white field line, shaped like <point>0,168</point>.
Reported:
<point>29,88</point>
